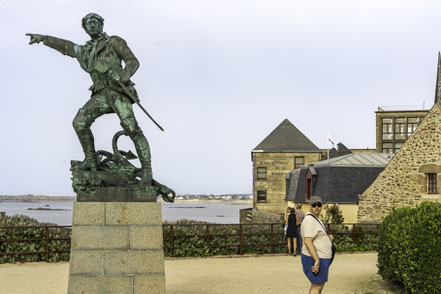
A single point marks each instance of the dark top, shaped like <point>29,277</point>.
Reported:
<point>292,226</point>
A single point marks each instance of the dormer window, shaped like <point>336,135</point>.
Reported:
<point>309,177</point>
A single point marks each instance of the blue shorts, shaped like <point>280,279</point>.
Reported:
<point>322,276</point>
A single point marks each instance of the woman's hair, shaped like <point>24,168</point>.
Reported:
<point>293,211</point>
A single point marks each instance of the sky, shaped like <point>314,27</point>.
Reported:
<point>218,76</point>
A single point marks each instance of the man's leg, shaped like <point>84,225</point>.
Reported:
<point>316,288</point>
<point>124,110</point>
<point>84,118</point>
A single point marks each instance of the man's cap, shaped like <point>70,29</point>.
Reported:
<point>315,199</point>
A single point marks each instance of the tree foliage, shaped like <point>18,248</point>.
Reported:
<point>333,214</point>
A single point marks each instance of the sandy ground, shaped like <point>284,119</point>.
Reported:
<point>350,273</point>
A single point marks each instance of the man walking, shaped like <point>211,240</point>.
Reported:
<point>102,58</point>
<point>317,247</point>
<point>300,216</point>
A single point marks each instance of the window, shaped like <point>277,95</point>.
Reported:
<point>400,130</point>
<point>387,128</point>
<point>261,173</point>
<point>398,146</point>
<point>308,188</point>
<point>412,124</point>
<point>261,195</point>
<point>299,161</point>
<point>387,148</point>
<point>431,184</point>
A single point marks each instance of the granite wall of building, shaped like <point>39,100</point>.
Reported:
<point>404,181</point>
<point>277,165</point>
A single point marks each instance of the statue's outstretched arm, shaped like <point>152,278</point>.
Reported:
<point>64,46</point>
<point>124,52</point>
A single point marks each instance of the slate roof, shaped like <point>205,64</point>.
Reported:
<point>339,180</point>
<point>358,159</point>
<point>286,138</point>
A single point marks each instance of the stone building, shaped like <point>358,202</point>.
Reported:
<point>339,180</point>
<point>412,176</point>
<point>394,127</point>
<point>284,149</point>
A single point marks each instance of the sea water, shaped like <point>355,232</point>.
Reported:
<point>222,213</point>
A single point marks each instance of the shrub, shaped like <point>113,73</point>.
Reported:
<point>223,239</point>
<point>27,231</point>
<point>409,248</point>
<point>333,214</point>
<point>365,237</point>
<point>189,239</point>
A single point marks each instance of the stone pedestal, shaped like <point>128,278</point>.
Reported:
<point>117,247</point>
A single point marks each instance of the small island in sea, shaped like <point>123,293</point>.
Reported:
<point>48,207</point>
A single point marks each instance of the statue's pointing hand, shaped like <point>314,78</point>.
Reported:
<point>35,38</point>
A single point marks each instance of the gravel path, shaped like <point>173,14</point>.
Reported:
<point>350,273</point>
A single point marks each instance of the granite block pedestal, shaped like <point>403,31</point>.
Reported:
<point>117,247</point>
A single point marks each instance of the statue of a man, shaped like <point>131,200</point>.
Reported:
<point>101,57</point>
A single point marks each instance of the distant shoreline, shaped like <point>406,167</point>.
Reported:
<point>43,198</point>
<point>217,201</point>
<point>36,198</point>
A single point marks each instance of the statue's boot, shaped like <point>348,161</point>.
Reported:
<point>146,176</point>
<point>143,151</point>
<point>90,162</point>
<point>87,142</point>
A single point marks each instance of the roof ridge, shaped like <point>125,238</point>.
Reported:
<point>286,136</point>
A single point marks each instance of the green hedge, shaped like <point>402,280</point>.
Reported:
<point>256,239</point>
<point>197,245</point>
<point>409,248</point>
<point>27,232</point>
<point>366,237</point>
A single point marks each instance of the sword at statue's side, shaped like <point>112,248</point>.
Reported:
<point>140,106</point>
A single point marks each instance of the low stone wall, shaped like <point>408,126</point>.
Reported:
<point>246,216</point>
<point>252,215</point>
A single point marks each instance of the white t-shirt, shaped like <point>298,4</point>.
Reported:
<point>311,228</point>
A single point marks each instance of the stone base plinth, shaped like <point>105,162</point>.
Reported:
<point>134,193</point>
<point>117,247</point>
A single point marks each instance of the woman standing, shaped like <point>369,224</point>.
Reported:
<point>291,231</point>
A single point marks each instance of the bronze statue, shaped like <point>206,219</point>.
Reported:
<point>112,92</point>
